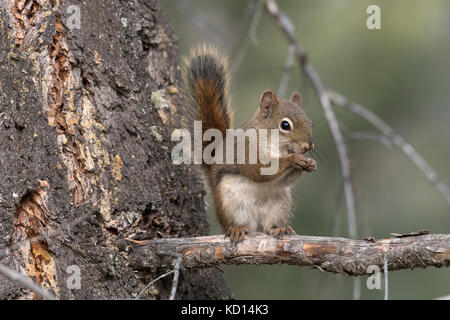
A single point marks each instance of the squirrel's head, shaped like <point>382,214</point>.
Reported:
<point>289,117</point>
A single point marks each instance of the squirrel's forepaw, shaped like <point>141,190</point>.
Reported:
<point>311,165</point>
<point>280,232</point>
<point>236,234</point>
<point>306,164</point>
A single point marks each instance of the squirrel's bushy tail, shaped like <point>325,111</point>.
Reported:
<point>206,85</point>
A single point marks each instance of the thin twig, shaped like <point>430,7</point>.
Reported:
<point>255,23</point>
<point>201,20</point>
<point>175,271</point>
<point>175,277</point>
<point>152,282</point>
<point>370,136</point>
<point>356,288</point>
<point>396,139</point>
<point>336,224</point>
<point>242,27</point>
<point>288,65</point>
<point>386,283</point>
<point>26,282</point>
<point>239,58</point>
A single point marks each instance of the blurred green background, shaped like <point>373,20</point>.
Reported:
<point>401,72</point>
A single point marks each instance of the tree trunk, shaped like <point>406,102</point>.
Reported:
<point>86,113</point>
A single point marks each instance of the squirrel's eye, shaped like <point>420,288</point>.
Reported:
<point>285,125</point>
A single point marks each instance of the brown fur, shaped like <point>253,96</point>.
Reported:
<point>245,200</point>
<point>207,95</point>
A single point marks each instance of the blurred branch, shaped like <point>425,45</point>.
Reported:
<point>200,19</point>
<point>386,281</point>
<point>330,254</point>
<point>152,282</point>
<point>250,38</point>
<point>286,26</point>
<point>255,22</point>
<point>396,140</point>
<point>175,271</point>
<point>288,65</point>
<point>176,275</point>
<point>242,27</point>
<point>25,281</point>
<point>370,136</point>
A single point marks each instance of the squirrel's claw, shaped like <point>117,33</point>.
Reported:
<point>236,234</point>
<point>280,232</point>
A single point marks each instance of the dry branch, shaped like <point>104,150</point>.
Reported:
<point>396,139</point>
<point>337,255</point>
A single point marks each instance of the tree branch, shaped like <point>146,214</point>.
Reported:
<point>288,65</point>
<point>396,139</point>
<point>330,254</point>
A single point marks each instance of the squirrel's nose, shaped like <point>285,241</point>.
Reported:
<point>306,146</point>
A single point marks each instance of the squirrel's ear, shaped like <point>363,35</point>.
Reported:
<point>268,103</point>
<point>296,98</point>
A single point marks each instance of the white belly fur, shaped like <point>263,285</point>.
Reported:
<point>258,206</point>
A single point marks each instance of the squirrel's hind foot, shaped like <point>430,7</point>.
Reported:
<point>280,232</point>
<point>236,234</point>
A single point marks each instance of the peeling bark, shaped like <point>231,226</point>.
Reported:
<point>85,123</point>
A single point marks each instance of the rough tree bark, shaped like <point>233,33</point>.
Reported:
<point>84,136</point>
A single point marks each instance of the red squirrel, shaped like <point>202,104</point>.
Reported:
<point>246,200</point>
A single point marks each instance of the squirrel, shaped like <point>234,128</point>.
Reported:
<point>246,200</point>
